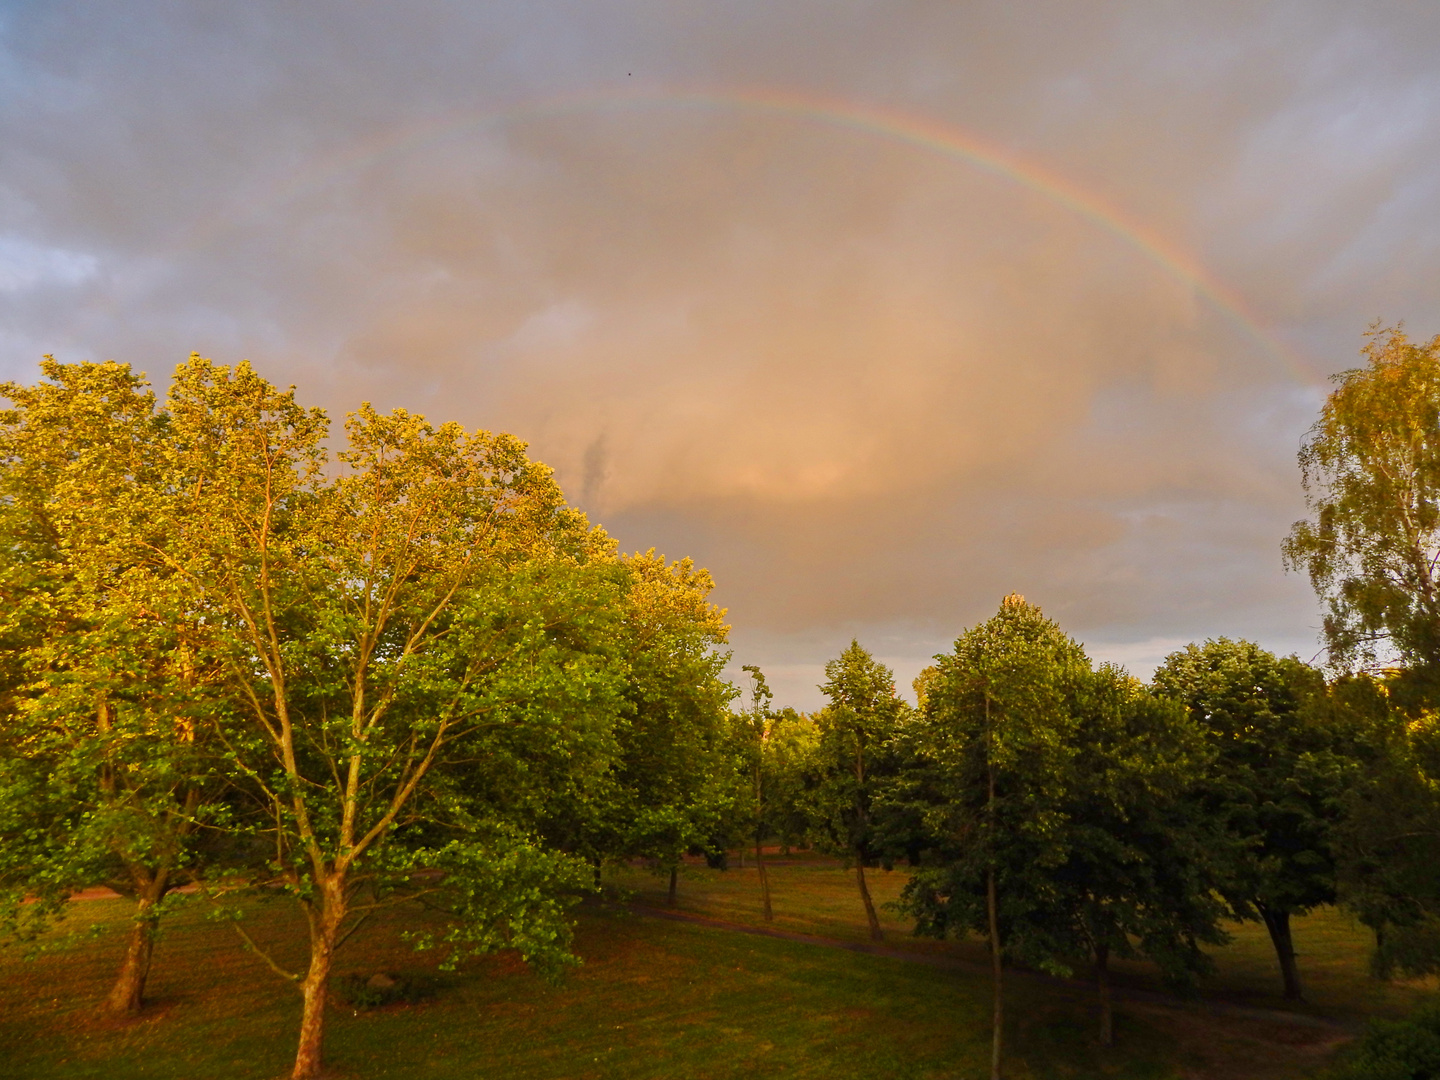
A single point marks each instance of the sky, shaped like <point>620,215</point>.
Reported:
<point>880,311</point>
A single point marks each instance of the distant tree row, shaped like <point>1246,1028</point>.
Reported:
<point>1067,813</point>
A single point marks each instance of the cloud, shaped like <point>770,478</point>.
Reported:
<point>24,266</point>
<point>872,386</point>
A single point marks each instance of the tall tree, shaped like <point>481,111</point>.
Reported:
<point>1058,809</point>
<point>787,769</point>
<point>1140,870</point>
<point>106,669</point>
<point>998,731</point>
<point>408,635</point>
<point>854,735</point>
<point>669,785</point>
<point>1268,785</point>
<point>752,729</point>
<point>1386,836</point>
<point>1371,472</point>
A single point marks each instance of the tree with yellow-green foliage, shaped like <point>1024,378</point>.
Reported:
<point>410,641</point>
<point>1371,473</point>
<point>670,785</point>
<point>110,681</point>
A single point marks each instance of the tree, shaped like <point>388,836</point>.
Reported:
<point>787,768</point>
<point>668,786</point>
<point>998,731</point>
<point>1389,824</point>
<point>107,674</point>
<point>1270,785</point>
<point>1139,875</point>
<point>854,732</point>
<point>1371,473</point>
<point>410,639</point>
<point>752,729</point>
<point>1058,804</point>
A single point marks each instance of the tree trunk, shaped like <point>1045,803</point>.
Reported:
<point>998,974</point>
<point>992,909</point>
<point>876,934</point>
<point>127,996</point>
<point>674,884</point>
<point>1277,921</point>
<point>595,865</point>
<point>326,914</point>
<point>764,881</point>
<point>1102,982</point>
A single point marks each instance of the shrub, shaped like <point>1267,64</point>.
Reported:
<point>362,992</point>
<point>1395,1049</point>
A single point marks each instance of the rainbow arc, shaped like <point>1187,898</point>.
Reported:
<point>912,129</point>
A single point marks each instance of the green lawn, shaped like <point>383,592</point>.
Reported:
<point>813,895</point>
<point>653,999</point>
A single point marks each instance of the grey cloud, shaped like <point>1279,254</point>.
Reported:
<point>872,387</point>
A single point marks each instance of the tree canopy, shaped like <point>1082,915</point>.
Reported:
<point>1371,475</point>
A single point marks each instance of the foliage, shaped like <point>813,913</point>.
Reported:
<point>998,729</point>
<point>751,736</point>
<point>1386,835</point>
<point>408,640</point>
<point>383,988</point>
<point>107,775</point>
<point>786,765</point>
<point>1139,876</point>
<point>1371,471</point>
<point>670,784</point>
<point>1406,1049</point>
<point>1273,786</point>
<point>999,733</point>
<point>850,756</point>
<point>1060,808</point>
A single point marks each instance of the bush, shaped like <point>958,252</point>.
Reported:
<point>1395,1050</point>
<point>362,992</point>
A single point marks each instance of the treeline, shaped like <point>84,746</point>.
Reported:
<point>1068,814</point>
<point>235,660</point>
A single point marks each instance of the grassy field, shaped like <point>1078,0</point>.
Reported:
<point>814,895</point>
<point>659,999</point>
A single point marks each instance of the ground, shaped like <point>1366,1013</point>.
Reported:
<point>666,998</point>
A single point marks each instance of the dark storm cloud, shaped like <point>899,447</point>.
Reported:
<point>872,387</point>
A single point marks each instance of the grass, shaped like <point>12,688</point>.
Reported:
<point>653,999</point>
<point>814,895</point>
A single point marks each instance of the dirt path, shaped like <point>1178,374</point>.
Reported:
<point>1076,987</point>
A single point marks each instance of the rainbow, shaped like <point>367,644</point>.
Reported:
<point>910,129</point>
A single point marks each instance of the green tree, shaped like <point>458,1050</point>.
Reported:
<point>997,731</point>
<point>1271,783</point>
<point>106,672</point>
<point>752,729</point>
<point>410,638</point>
<point>1386,834</point>
<point>1371,473</point>
<point>787,768</point>
<point>1059,809</point>
<point>1139,874</point>
<point>670,778</point>
<point>854,733</point>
